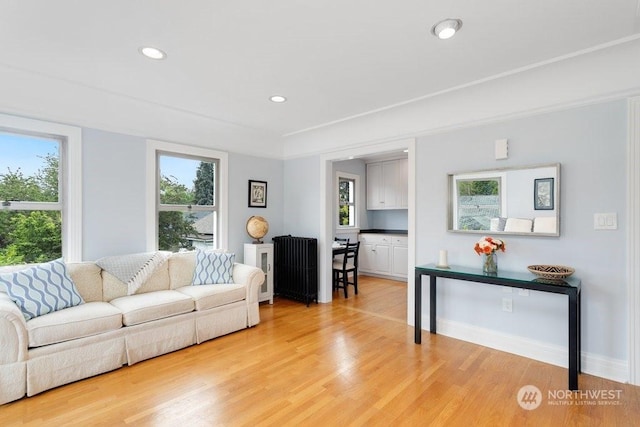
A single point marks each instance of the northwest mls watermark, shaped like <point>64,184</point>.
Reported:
<point>530,397</point>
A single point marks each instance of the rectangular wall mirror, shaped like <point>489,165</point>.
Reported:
<point>521,200</point>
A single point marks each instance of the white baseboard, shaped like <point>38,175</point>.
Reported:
<point>383,276</point>
<point>600,366</point>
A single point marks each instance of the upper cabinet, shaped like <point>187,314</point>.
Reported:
<point>387,185</point>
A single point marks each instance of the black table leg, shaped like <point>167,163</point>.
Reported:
<point>574,340</point>
<point>432,304</point>
<point>579,332</point>
<point>417,323</point>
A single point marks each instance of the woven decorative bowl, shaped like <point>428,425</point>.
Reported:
<point>551,271</point>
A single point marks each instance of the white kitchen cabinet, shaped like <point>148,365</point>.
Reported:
<point>366,255</point>
<point>375,194</point>
<point>261,256</point>
<point>375,254</point>
<point>400,256</point>
<point>387,185</point>
<point>383,254</point>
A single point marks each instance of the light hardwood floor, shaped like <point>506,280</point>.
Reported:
<point>352,362</point>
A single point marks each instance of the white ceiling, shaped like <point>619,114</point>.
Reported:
<point>78,61</point>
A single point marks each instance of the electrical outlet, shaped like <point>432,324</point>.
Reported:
<point>507,305</point>
<point>523,292</point>
<point>507,289</point>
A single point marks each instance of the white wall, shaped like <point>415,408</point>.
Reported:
<point>302,197</point>
<point>241,169</point>
<point>114,189</point>
<point>590,144</point>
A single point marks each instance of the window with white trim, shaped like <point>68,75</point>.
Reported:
<point>346,195</point>
<point>187,208</point>
<point>187,197</point>
<point>37,222</point>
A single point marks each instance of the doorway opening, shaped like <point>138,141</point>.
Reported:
<point>328,229</point>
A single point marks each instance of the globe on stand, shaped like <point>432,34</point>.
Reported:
<point>257,228</point>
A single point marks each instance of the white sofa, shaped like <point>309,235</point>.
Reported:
<point>112,329</point>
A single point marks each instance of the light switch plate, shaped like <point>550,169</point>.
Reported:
<point>605,221</point>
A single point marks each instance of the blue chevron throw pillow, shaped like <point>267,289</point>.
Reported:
<point>41,289</point>
<point>213,268</point>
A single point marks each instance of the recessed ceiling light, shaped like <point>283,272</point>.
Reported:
<point>278,98</point>
<point>446,29</point>
<point>152,52</point>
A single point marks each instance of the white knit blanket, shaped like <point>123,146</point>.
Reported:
<point>133,269</point>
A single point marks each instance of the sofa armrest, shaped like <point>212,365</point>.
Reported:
<point>14,339</point>
<point>250,276</point>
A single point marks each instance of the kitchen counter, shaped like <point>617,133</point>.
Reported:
<point>383,231</point>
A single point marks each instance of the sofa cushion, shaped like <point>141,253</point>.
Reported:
<point>518,225</point>
<point>87,278</point>
<point>544,225</point>
<point>41,289</point>
<point>181,267</point>
<point>152,306</point>
<point>210,296</point>
<point>84,320</point>
<point>213,267</point>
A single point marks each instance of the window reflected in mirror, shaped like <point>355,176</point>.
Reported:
<point>478,201</point>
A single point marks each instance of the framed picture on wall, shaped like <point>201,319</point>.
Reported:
<point>257,194</point>
<point>543,194</point>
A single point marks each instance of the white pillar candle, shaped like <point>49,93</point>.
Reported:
<point>442,260</point>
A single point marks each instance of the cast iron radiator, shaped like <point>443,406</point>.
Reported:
<point>296,268</point>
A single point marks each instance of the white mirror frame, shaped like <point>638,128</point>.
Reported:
<point>518,182</point>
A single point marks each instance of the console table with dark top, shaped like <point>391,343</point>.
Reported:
<point>523,280</point>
